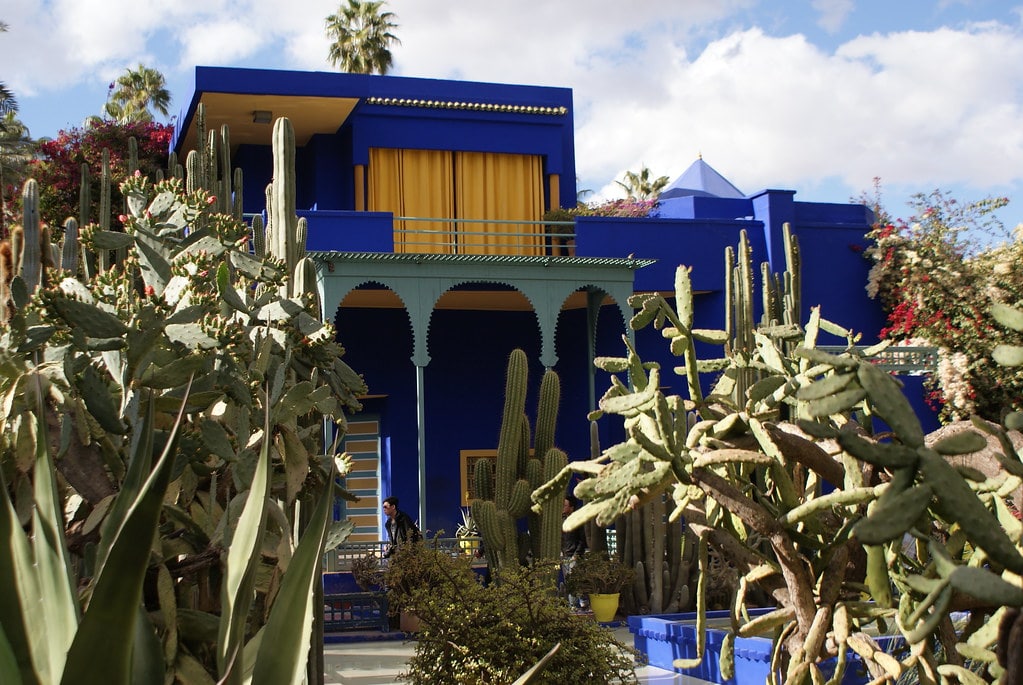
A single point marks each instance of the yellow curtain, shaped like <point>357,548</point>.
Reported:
<point>503,187</point>
<point>414,183</point>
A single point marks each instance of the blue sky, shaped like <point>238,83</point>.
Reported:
<point>816,96</point>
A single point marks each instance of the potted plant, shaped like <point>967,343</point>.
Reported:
<point>601,577</point>
<point>467,533</point>
<point>558,230</point>
<point>367,573</point>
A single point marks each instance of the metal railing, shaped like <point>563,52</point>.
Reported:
<point>341,557</point>
<point>456,240</point>
<point>904,360</point>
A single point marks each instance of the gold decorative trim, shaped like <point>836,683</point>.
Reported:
<point>474,106</point>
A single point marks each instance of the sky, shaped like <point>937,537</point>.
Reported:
<point>817,96</point>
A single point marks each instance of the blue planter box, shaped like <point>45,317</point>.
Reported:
<point>666,637</point>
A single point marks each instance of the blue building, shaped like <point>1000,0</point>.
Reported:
<point>425,201</point>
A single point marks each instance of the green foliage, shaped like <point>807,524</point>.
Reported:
<point>776,472</point>
<point>934,275</point>
<point>500,504</point>
<point>135,93</point>
<point>361,34</point>
<point>59,168</point>
<point>476,634</point>
<point>180,398</point>
<point>367,572</point>
<point>641,185</point>
<point>16,152</point>
<point>598,573</point>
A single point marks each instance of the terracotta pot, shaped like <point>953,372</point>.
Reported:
<point>408,622</point>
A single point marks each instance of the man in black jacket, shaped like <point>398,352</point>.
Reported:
<point>401,529</point>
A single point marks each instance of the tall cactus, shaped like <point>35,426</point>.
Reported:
<point>31,255</point>
<point>501,502</point>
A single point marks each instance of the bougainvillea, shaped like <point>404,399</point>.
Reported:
<point>937,274</point>
<point>58,169</point>
<point>625,207</point>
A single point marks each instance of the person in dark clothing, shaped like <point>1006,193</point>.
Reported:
<point>573,542</point>
<point>401,530</point>
<point>573,545</point>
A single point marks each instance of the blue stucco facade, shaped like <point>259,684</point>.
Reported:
<point>460,391</point>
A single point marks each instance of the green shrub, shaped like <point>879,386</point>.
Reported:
<point>479,634</point>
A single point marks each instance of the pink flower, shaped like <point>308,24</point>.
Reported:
<point>150,291</point>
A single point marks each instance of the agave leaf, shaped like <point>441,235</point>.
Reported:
<point>9,672</point>
<point>282,654</point>
<point>59,610</point>
<point>242,561</point>
<point>108,626</point>
<point>19,595</point>
<point>147,663</point>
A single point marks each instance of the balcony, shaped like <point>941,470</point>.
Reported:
<point>353,231</point>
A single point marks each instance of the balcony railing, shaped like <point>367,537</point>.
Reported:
<point>904,360</point>
<point>341,557</point>
<point>458,239</point>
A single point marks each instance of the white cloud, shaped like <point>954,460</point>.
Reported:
<point>833,13</point>
<point>935,108</point>
<point>654,83</point>
<point>220,43</point>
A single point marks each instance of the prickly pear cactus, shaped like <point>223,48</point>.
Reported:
<point>183,405</point>
<point>782,476</point>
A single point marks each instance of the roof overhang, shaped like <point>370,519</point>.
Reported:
<point>309,116</point>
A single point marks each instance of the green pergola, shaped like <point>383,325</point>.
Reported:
<point>419,281</point>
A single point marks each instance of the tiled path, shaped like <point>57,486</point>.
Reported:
<point>370,661</point>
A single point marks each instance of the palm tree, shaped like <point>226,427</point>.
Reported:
<point>360,35</point>
<point>8,105</point>
<point>640,187</point>
<point>16,151</point>
<point>135,94</point>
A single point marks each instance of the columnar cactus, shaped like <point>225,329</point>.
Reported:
<point>31,261</point>
<point>516,474</point>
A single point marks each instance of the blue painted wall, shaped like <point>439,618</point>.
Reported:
<point>464,381</point>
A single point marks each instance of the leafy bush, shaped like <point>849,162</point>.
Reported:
<point>935,280</point>
<point>476,634</point>
<point>58,169</point>
<point>597,573</point>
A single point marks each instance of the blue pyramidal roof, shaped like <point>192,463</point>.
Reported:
<point>702,180</point>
